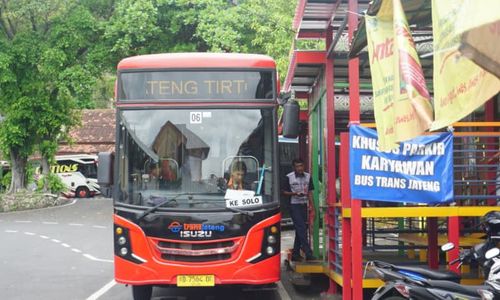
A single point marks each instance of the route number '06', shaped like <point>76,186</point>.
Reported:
<point>195,117</point>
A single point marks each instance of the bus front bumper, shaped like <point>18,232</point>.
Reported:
<point>248,264</point>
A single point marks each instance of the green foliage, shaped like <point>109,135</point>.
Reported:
<point>133,23</point>
<point>6,179</point>
<point>251,26</point>
<point>272,22</point>
<point>53,182</point>
<point>56,55</point>
<point>255,26</point>
<point>16,128</point>
<point>104,91</point>
<point>310,44</point>
<point>30,172</point>
<point>302,104</point>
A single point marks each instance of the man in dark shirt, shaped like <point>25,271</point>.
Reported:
<point>298,186</point>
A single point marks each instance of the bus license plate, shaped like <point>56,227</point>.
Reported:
<point>195,280</point>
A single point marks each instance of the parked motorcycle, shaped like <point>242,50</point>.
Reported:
<point>399,286</point>
<point>446,290</point>
<point>396,277</point>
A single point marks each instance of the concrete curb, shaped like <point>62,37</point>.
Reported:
<point>38,209</point>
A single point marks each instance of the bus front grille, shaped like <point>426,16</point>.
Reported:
<point>204,258</point>
<point>197,251</point>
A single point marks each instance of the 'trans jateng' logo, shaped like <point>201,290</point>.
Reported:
<point>195,230</point>
<point>175,227</point>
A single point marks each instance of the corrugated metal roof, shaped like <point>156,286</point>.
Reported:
<point>313,16</point>
<point>418,13</point>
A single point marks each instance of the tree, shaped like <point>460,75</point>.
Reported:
<point>155,26</point>
<point>251,26</point>
<point>273,29</point>
<point>48,66</point>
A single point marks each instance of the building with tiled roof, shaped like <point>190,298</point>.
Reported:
<point>96,133</point>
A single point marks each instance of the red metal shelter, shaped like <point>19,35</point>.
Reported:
<point>336,81</point>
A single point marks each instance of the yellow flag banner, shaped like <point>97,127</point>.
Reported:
<point>480,40</point>
<point>481,45</point>
<point>460,86</point>
<point>401,100</point>
<point>411,81</point>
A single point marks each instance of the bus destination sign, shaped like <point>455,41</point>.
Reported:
<point>196,85</point>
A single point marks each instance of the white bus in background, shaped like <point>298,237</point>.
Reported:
<point>79,173</point>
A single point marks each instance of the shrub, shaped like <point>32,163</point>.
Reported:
<point>5,181</point>
<point>54,183</point>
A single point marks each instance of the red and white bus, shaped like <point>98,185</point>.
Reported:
<point>187,123</point>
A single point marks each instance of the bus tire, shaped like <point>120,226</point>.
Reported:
<point>82,192</point>
<point>142,292</point>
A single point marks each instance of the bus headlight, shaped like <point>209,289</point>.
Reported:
<point>123,251</point>
<point>122,240</point>
<point>270,243</point>
<point>122,244</point>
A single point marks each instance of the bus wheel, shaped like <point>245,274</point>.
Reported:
<point>82,192</point>
<point>142,292</point>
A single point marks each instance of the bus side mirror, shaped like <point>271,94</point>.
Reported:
<point>291,111</point>
<point>105,172</point>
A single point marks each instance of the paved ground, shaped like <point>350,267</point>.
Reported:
<point>66,253</point>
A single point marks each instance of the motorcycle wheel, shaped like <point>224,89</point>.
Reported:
<point>395,298</point>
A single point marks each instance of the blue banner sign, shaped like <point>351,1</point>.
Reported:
<point>419,170</point>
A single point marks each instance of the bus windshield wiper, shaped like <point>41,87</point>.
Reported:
<point>238,210</point>
<point>164,202</point>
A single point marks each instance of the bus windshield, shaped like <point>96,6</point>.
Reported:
<point>195,157</point>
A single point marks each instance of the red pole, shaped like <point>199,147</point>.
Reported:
<point>454,237</point>
<point>345,195</point>
<point>331,192</point>
<point>357,250</point>
<point>353,64</point>
<point>354,112</point>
